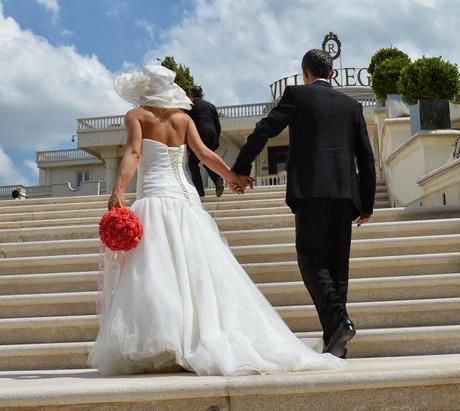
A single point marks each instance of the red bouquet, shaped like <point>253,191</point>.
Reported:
<point>120,229</point>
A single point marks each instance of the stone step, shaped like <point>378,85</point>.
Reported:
<point>250,236</point>
<point>410,287</point>
<point>71,302</point>
<point>381,314</point>
<point>234,200</point>
<point>359,248</point>
<point>260,220</point>
<point>92,209</point>
<point>86,281</point>
<point>99,207</point>
<point>364,267</point>
<point>254,252</point>
<point>48,283</point>
<point>388,342</point>
<point>416,383</point>
<point>260,272</point>
<point>45,201</point>
<point>257,192</point>
<point>227,209</point>
<point>271,207</point>
<point>368,231</point>
<point>381,186</point>
<point>377,314</point>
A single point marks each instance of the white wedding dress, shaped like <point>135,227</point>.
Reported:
<point>181,297</point>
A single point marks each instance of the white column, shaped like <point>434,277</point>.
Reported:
<point>111,168</point>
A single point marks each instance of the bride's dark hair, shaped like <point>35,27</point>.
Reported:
<point>318,62</point>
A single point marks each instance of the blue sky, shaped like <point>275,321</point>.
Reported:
<point>115,30</point>
<point>58,58</point>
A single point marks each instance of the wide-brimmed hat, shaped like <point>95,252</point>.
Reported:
<point>151,85</point>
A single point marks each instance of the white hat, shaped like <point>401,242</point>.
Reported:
<point>152,85</point>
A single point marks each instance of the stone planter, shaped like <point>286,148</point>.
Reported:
<point>395,107</point>
<point>430,115</point>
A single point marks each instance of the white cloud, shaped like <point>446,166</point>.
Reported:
<point>33,169</point>
<point>52,6</point>
<point>44,89</point>
<point>10,173</point>
<point>236,48</point>
<point>148,27</point>
<point>116,8</point>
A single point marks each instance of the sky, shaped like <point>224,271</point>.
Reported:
<point>58,58</point>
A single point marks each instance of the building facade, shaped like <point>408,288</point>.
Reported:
<point>419,170</point>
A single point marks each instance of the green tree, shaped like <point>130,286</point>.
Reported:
<point>429,78</point>
<point>183,77</point>
<point>386,76</point>
<point>383,54</point>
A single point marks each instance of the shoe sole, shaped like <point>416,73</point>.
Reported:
<point>347,336</point>
<point>339,348</point>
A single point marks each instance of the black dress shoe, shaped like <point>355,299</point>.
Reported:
<point>220,187</point>
<point>344,333</point>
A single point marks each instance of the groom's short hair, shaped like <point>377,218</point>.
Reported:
<point>318,62</point>
<point>196,92</point>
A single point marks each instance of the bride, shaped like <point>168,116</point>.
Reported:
<point>180,298</point>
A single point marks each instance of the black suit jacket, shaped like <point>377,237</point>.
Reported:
<point>206,119</point>
<point>327,139</point>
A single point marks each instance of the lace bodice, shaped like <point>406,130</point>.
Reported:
<point>162,171</point>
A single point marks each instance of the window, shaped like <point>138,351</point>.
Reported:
<point>82,176</point>
<point>277,159</point>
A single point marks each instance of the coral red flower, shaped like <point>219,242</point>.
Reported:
<point>120,229</point>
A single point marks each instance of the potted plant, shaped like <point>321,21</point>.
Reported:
<point>427,85</point>
<point>384,83</point>
<point>384,54</point>
<point>385,79</point>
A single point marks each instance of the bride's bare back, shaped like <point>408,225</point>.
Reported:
<point>168,126</point>
<point>172,127</point>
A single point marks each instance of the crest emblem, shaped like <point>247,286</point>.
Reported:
<point>332,45</point>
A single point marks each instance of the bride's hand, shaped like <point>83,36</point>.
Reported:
<point>238,183</point>
<point>116,200</point>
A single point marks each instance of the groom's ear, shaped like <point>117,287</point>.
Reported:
<point>305,76</point>
<point>330,74</point>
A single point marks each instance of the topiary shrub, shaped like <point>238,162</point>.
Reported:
<point>384,54</point>
<point>456,99</point>
<point>429,78</point>
<point>386,76</point>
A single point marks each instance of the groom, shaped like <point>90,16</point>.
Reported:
<point>327,134</point>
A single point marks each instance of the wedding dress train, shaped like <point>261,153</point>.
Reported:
<point>181,297</point>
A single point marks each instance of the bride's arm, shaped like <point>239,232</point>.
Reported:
<point>128,163</point>
<point>211,159</point>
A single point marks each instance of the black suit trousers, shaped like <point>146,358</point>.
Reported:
<point>194,161</point>
<point>323,238</point>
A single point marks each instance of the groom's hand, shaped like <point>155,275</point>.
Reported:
<point>238,183</point>
<point>363,219</point>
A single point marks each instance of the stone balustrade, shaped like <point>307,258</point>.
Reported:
<point>25,191</point>
<point>64,189</point>
<point>245,110</point>
<point>272,180</point>
<point>104,122</point>
<point>66,154</point>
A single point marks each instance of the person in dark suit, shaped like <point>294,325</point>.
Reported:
<point>327,140</point>
<point>206,119</point>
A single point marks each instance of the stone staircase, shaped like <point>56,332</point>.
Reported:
<point>404,298</point>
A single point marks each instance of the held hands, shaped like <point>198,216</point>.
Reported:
<point>239,183</point>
